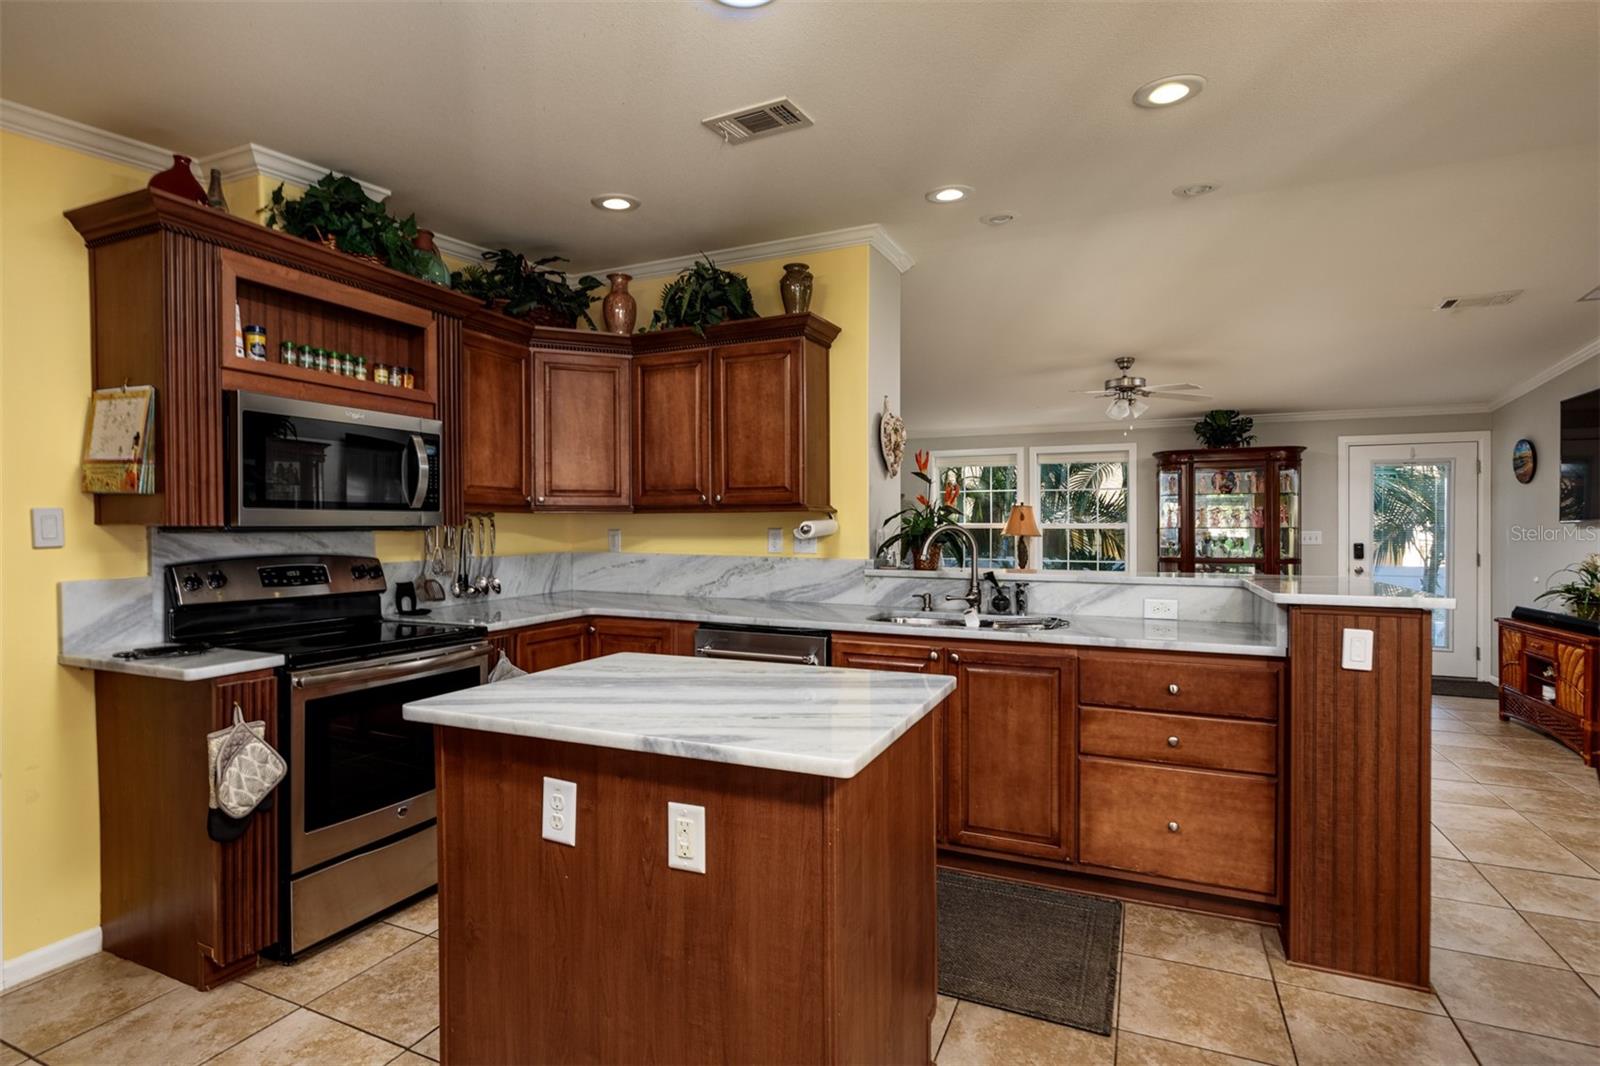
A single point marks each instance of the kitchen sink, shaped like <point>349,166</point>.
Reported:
<point>956,620</point>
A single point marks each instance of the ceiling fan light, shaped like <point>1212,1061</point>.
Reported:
<point>1120,408</point>
<point>1137,407</point>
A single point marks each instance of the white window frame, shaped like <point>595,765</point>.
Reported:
<point>1037,454</point>
<point>1018,455</point>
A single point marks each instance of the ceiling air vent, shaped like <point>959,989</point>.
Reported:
<point>1485,299</point>
<point>748,123</point>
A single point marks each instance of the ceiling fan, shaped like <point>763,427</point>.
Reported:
<point>1129,392</point>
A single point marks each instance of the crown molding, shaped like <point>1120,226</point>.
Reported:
<point>248,160</point>
<point>64,132</point>
<point>459,249</point>
<point>1522,388</point>
<point>1099,424</point>
<point>873,235</point>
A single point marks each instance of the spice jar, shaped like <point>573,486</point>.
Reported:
<point>255,342</point>
<point>307,359</point>
<point>410,378</point>
<point>361,368</point>
<point>288,354</point>
<point>380,374</point>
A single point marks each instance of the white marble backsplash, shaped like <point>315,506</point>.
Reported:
<point>168,546</point>
<point>114,615</point>
<point>745,577</point>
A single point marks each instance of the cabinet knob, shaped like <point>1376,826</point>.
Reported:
<point>702,497</point>
<point>539,500</point>
<point>719,498</point>
<point>1173,688</point>
<point>591,629</point>
<point>954,657</point>
<point>1172,827</point>
<point>1172,742</point>
<point>933,656</point>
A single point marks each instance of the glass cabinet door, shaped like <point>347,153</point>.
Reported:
<point>1169,531</point>
<point>1289,520</point>
<point>1230,517</point>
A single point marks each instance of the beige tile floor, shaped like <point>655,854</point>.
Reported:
<point>1516,966</point>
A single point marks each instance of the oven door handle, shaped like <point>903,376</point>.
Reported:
<point>326,676</point>
<point>419,495</point>
<point>710,652</point>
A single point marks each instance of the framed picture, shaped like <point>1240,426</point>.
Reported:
<point>1524,460</point>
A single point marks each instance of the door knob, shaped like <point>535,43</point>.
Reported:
<point>1361,569</point>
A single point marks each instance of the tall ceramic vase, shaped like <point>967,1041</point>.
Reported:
<point>619,309</point>
<point>795,287</point>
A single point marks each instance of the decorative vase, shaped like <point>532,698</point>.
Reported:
<point>931,562</point>
<point>619,310</point>
<point>795,288</point>
<point>436,271</point>
<point>178,179</point>
<point>214,195</point>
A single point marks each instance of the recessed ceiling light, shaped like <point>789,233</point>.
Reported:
<point>615,201</point>
<point>1189,192</point>
<point>1164,92</point>
<point>949,194</point>
<point>997,220</point>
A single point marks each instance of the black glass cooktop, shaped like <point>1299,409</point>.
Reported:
<point>356,641</point>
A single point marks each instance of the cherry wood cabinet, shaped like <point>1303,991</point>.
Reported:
<point>582,426</point>
<point>1550,679</point>
<point>672,430</point>
<point>497,435</point>
<point>544,647</point>
<point>548,646</point>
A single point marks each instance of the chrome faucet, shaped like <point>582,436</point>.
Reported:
<point>973,598</point>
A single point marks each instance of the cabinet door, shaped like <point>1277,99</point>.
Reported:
<point>497,438</point>
<point>672,430</point>
<point>758,426</point>
<point>912,658</point>
<point>582,424</point>
<point>546,647</point>
<point>1009,739</point>
<point>610,636</point>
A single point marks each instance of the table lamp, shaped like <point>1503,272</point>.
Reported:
<point>1022,524</point>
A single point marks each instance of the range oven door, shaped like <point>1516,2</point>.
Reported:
<point>297,463</point>
<point>359,773</point>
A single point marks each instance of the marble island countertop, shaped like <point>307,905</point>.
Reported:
<point>824,721</point>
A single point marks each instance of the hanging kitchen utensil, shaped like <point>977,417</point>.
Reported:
<point>485,556</point>
<point>494,560</point>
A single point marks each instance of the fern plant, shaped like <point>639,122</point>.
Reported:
<point>1225,429</point>
<point>703,295</point>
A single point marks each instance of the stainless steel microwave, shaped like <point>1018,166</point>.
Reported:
<point>297,463</point>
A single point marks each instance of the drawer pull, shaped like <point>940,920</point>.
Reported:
<point>933,656</point>
<point>1172,827</point>
<point>954,657</point>
<point>1172,742</point>
<point>1173,688</point>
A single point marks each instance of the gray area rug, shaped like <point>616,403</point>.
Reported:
<point>1037,951</point>
<point>1462,688</point>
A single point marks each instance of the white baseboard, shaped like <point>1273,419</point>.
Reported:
<point>50,957</point>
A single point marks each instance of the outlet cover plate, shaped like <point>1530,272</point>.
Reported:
<point>1161,610</point>
<point>805,545</point>
<point>614,539</point>
<point>560,817</point>
<point>774,538</point>
<point>686,837</point>
<point>1311,537</point>
<point>1357,653</point>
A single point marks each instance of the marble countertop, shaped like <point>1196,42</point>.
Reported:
<point>824,721</point>
<point>218,662</point>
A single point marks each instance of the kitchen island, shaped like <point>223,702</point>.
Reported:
<point>810,935</point>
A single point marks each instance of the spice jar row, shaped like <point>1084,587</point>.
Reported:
<point>345,365</point>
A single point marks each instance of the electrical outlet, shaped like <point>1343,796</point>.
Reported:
<point>614,538</point>
<point>1166,610</point>
<point>775,539</point>
<point>1311,537</point>
<point>805,545</point>
<point>49,527</point>
<point>560,811</point>
<point>686,837</point>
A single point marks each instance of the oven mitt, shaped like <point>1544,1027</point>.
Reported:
<point>246,768</point>
<point>505,669</point>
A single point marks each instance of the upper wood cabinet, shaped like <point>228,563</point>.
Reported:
<point>582,425</point>
<point>497,435</point>
<point>740,424</point>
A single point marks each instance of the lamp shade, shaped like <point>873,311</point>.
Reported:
<point>1022,522</point>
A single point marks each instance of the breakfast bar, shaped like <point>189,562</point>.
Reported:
<point>785,913</point>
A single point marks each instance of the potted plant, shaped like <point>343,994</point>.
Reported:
<point>537,290</point>
<point>923,517</point>
<point>337,211</point>
<point>1225,429</point>
<point>1581,596</point>
<point>703,295</point>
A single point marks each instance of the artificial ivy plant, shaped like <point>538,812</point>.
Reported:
<point>703,295</point>
<point>1225,429</point>
<point>528,287</point>
<point>338,208</point>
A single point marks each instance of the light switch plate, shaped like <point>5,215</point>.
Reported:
<point>805,545</point>
<point>1357,650</point>
<point>1311,537</point>
<point>775,538</point>
<point>614,539</point>
<point>560,815</point>
<point>686,837</point>
<point>49,527</point>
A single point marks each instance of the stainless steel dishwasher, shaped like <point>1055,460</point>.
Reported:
<point>751,644</point>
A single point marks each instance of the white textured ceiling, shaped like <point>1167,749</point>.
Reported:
<point>1372,158</point>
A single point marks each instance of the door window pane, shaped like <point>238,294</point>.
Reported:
<point>1411,532</point>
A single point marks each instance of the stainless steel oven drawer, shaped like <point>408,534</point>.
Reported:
<point>336,897</point>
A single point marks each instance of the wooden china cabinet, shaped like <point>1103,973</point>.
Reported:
<point>1228,511</point>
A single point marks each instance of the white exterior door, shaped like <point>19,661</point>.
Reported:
<point>1413,521</point>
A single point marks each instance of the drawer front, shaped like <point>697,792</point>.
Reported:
<point>1181,739</point>
<point>1233,688</point>
<point>1210,828</point>
<point>1542,646</point>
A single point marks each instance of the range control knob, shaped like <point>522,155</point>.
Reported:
<point>375,571</point>
<point>216,579</point>
<point>363,571</point>
<point>191,582</point>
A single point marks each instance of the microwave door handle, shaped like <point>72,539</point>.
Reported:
<point>419,495</point>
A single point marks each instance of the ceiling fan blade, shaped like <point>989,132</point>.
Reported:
<point>1187,386</point>
<point>1091,392</point>
<point>1185,396</point>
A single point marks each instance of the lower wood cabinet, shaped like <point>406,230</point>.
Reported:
<point>548,646</point>
<point>545,647</point>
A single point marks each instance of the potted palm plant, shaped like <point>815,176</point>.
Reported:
<point>922,517</point>
<point>1581,596</point>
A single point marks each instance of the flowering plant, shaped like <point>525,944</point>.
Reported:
<point>923,516</point>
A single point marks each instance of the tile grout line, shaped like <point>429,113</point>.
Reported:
<point>85,1032</point>
<point>1277,997</point>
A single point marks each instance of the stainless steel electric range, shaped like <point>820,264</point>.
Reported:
<point>359,836</point>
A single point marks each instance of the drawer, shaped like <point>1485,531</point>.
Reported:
<point>1234,688</point>
<point>1181,739</point>
<point>1204,826</point>
<point>1543,647</point>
